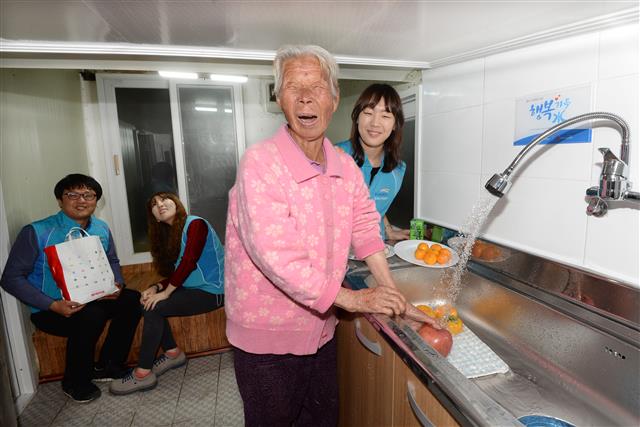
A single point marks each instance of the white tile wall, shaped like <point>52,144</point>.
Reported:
<point>544,212</point>
<point>619,96</point>
<point>542,216</point>
<point>449,151</point>
<point>453,87</point>
<point>554,65</point>
<point>446,198</point>
<point>619,52</point>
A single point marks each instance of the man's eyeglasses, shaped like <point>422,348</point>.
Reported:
<point>75,196</point>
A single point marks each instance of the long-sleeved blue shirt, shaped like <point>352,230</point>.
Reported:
<point>20,264</point>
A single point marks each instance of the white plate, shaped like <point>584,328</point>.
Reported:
<point>388,253</point>
<point>407,248</point>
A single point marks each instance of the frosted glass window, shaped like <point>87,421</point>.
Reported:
<point>207,119</point>
<point>148,159</point>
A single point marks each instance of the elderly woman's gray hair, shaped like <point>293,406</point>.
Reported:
<point>327,64</point>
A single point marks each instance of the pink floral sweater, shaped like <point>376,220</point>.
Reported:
<point>289,228</point>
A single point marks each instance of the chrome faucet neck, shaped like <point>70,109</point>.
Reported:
<point>614,183</point>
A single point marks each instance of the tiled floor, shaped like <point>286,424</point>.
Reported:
<point>202,393</point>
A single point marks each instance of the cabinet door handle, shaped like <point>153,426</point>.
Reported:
<point>372,346</point>
<point>421,416</point>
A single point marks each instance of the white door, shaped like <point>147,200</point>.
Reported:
<point>183,136</point>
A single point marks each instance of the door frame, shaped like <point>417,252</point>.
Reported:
<point>407,95</point>
<point>23,376</point>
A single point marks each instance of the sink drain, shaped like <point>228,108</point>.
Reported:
<point>543,421</point>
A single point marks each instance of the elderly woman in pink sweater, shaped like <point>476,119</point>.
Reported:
<point>296,207</point>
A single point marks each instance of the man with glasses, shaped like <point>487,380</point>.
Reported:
<point>28,278</point>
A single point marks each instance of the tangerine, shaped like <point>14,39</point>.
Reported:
<point>426,310</point>
<point>443,258</point>
<point>490,253</point>
<point>477,249</point>
<point>430,258</point>
<point>420,253</point>
<point>423,246</point>
<point>436,247</point>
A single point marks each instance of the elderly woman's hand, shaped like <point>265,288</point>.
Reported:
<point>417,318</point>
<point>383,299</point>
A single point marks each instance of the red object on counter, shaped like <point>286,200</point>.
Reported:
<point>440,339</point>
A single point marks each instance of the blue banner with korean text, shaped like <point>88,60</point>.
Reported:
<point>537,113</point>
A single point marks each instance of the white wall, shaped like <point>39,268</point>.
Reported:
<point>468,125</point>
<point>258,122</point>
<point>41,140</point>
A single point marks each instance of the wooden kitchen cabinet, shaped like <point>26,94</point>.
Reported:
<point>365,378</point>
<point>373,384</point>
<point>403,414</point>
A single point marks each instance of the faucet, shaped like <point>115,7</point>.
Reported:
<point>614,182</point>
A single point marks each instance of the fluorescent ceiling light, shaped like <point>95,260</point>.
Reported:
<point>228,110</point>
<point>228,78</point>
<point>178,75</point>
<point>211,109</point>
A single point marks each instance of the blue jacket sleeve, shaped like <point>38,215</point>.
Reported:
<point>112,256</point>
<point>20,264</point>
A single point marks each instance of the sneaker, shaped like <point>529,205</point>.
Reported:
<point>163,363</point>
<point>108,373</point>
<point>83,394</point>
<point>130,383</point>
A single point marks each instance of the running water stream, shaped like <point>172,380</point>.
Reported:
<point>452,277</point>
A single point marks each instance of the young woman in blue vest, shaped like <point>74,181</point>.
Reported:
<point>187,251</point>
<point>374,144</point>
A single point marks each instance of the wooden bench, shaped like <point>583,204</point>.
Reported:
<point>196,335</point>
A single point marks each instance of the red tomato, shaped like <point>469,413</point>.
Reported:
<point>440,339</point>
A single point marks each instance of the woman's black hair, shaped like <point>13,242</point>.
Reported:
<point>77,180</point>
<point>369,99</point>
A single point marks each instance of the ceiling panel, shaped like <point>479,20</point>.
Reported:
<point>54,20</point>
<point>398,30</point>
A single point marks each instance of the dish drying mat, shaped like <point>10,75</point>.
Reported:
<point>473,358</point>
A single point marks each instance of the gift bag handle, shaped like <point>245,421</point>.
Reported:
<point>82,231</point>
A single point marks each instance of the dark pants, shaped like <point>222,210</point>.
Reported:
<point>84,328</point>
<point>289,390</point>
<point>156,330</point>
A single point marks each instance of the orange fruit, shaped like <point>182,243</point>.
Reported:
<point>443,258</point>
<point>419,254</point>
<point>477,249</point>
<point>423,246</point>
<point>445,251</point>
<point>426,310</point>
<point>430,258</point>
<point>439,311</point>
<point>436,247</point>
<point>490,252</point>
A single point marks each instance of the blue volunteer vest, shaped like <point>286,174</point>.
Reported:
<point>209,272</point>
<point>51,231</point>
<point>385,185</point>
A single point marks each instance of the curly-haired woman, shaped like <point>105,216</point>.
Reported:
<point>187,251</point>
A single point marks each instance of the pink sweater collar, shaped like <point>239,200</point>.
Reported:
<point>298,163</point>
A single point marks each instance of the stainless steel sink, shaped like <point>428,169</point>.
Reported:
<point>564,361</point>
